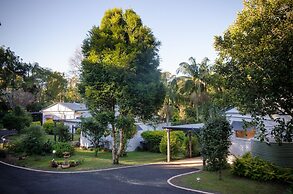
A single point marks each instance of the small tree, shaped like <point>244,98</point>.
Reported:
<point>215,143</point>
<point>17,119</point>
<point>94,129</point>
<point>63,133</point>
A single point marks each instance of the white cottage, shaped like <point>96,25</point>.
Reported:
<point>64,111</point>
<point>242,136</point>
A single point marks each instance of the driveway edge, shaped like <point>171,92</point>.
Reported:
<point>74,172</point>
<point>185,188</point>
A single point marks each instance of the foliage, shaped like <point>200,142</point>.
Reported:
<point>56,87</point>
<point>36,123</point>
<point>260,170</point>
<point>120,70</point>
<point>152,140</point>
<point>49,126</point>
<point>17,119</point>
<point>31,141</point>
<point>215,142</point>
<point>63,133</point>
<point>78,131</point>
<point>195,147</point>
<point>61,147</point>
<point>176,140</point>
<point>94,129</point>
<point>255,59</point>
<point>128,130</point>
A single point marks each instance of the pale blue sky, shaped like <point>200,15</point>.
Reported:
<point>49,31</point>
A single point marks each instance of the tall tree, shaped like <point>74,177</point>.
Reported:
<point>255,57</point>
<point>120,71</point>
<point>194,87</point>
<point>171,98</point>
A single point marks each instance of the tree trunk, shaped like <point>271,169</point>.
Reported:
<point>115,157</point>
<point>121,143</point>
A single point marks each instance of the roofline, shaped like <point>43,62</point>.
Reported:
<point>63,105</point>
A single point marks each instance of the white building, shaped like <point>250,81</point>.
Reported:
<point>242,136</point>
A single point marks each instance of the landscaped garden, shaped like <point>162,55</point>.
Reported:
<point>87,160</point>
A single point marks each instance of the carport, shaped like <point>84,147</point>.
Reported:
<point>186,128</point>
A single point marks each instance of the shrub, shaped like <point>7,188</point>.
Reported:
<point>176,140</point>
<point>30,142</point>
<point>152,140</point>
<point>260,170</point>
<point>36,123</point>
<point>17,119</point>
<point>63,133</point>
<point>49,127</point>
<point>215,143</point>
<point>194,146</point>
<point>61,147</point>
<point>78,131</point>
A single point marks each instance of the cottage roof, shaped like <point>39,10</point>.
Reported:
<point>239,126</point>
<point>73,106</point>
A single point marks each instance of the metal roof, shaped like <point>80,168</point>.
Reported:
<point>187,127</point>
<point>74,106</point>
<point>239,126</point>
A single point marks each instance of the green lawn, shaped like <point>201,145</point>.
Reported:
<point>90,162</point>
<point>209,181</point>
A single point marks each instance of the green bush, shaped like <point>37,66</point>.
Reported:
<point>78,131</point>
<point>176,141</point>
<point>17,119</point>
<point>49,127</point>
<point>260,170</point>
<point>194,146</point>
<point>63,133</point>
<point>61,147</point>
<point>36,123</point>
<point>30,142</point>
<point>152,140</point>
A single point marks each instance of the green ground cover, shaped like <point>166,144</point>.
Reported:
<point>209,181</point>
<point>89,162</point>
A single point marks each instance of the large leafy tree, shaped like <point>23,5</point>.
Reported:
<point>119,73</point>
<point>255,57</point>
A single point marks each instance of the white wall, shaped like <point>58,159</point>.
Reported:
<point>132,143</point>
<point>240,146</point>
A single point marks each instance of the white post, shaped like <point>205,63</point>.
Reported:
<point>168,145</point>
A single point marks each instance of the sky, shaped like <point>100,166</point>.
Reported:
<point>49,31</point>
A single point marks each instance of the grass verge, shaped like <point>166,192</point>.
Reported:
<point>89,161</point>
<point>209,181</point>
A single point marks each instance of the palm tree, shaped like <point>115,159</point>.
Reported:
<point>194,86</point>
<point>171,98</point>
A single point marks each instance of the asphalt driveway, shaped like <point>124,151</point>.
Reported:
<point>151,179</point>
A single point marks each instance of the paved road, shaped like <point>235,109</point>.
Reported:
<point>150,179</point>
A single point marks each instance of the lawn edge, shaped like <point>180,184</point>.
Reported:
<point>76,172</point>
<point>185,188</point>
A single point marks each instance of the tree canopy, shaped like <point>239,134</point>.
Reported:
<point>120,68</point>
<point>256,57</point>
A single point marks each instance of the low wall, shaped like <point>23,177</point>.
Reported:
<point>279,155</point>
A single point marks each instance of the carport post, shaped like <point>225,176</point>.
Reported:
<point>168,145</point>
